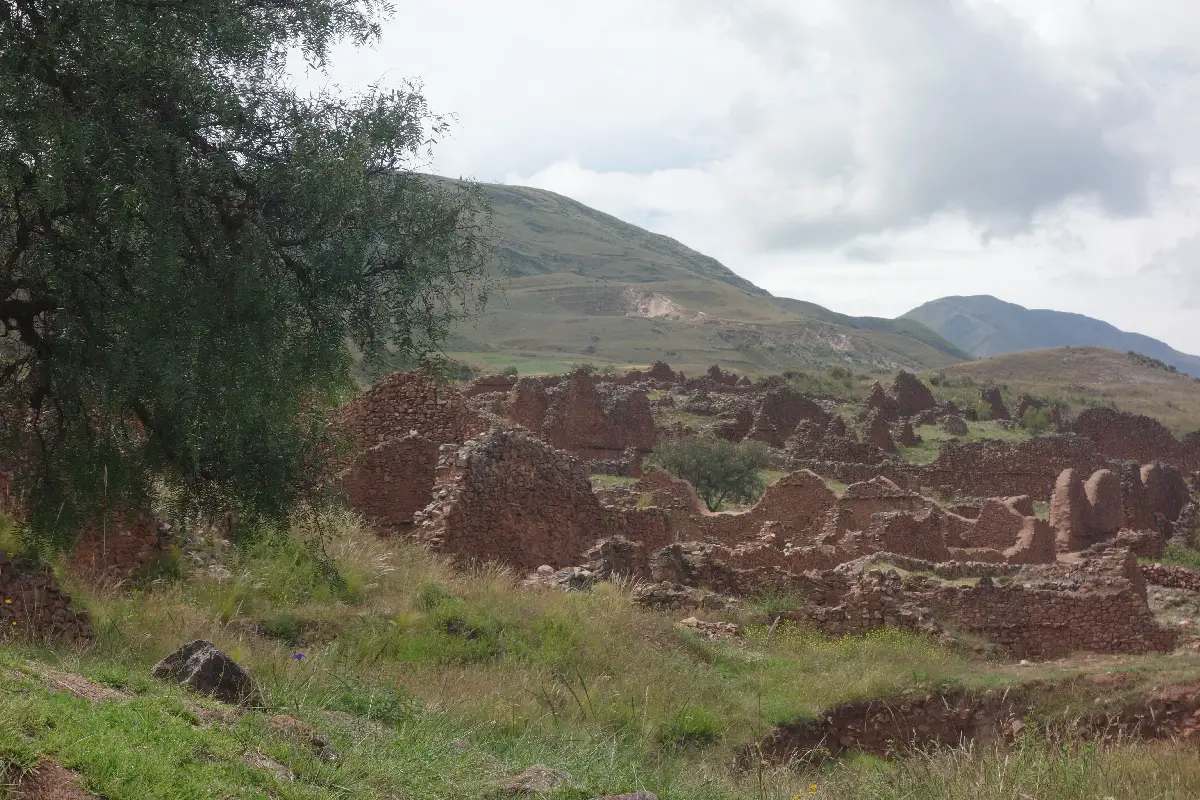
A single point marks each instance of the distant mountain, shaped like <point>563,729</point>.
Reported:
<point>986,326</point>
<point>580,285</point>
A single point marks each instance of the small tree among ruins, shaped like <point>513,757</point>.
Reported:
<point>718,469</point>
<point>188,243</point>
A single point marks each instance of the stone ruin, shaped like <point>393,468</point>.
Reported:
<point>33,605</point>
<point>396,428</point>
<point>500,472</point>
<point>1120,435</point>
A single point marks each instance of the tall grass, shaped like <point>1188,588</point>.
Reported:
<point>431,681</point>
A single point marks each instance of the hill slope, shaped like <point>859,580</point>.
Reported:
<point>986,326</point>
<point>581,285</point>
<point>1083,377</point>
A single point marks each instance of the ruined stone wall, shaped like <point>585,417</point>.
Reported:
<point>115,549</point>
<point>1044,623</point>
<point>33,605</point>
<point>1002,469</point>
<point>1171,576</point>
<point>391,481</point>
<point>405,402</point>
<point>1120,435</point>
<point>507,496</point>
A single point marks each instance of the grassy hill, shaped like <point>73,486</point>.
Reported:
<point>1084,376</point>
<point>581,285</point>
<point>986,326</point>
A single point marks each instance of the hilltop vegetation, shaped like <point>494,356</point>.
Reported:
<point>1083,377</point>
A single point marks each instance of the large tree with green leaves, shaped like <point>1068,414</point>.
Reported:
<point>188,243</point>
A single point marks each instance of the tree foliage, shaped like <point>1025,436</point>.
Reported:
<point>719,470</point>
<point>187,243</point>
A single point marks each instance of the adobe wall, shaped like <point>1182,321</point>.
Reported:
<point>510,497</point>
<point>405,402</point>
<point>1042,613</point>
<point>1120,435</point>
<point>1002,469</point>
<point>32,604</point>
<point>597,420</point>
<point>391,481</point>
<point>116,549</point>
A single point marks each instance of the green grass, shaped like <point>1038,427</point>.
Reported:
<point>933,437</point>
<point>1180,556</point>
<point>1081,377</point>
<point>600,481</point>
<point>430,682</point>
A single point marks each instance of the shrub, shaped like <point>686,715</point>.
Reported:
<point>587,368</point>
<point>984,411</point>
<point>510,371</point>
<point>1038,420</point>
<point>719,470</point>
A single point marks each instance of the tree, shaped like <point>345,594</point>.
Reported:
<point>187,245</point>
<point>719,470</point>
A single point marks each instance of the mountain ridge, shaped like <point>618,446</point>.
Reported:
<point>581,285</point>
<point>987,326</point>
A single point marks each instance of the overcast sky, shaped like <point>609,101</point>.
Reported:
<point>867,155</point>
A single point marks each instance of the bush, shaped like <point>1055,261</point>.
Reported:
<point>983,411</point>
<point>586,368</point>
<point>510,371</point>
<point>1038,420</point>
<point>719,470</point>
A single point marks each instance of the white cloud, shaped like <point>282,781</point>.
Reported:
<point>864,154</point>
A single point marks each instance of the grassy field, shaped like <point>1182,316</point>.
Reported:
<point>429,683</point>
<point>1083,377</point>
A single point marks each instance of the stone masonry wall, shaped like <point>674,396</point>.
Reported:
<point>32,604</point>
<point>508,496</point>
<point>1000,469</point>
<point>391,481</point>
<point>405,402</point>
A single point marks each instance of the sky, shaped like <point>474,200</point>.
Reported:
<point>867,155</point>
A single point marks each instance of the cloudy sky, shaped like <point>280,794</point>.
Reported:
<point>868,155</point>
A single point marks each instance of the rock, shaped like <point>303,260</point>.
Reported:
<point>535,780</point>
<point>205,669</point>
<point>955,425</point>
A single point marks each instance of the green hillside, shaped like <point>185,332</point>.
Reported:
<point>580,285</point>
<point>986,326</point>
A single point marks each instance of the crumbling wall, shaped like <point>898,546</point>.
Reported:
<point>910,395</point>
<point>1003,469</point>
<point>391,481</point>
<point>114,549</point>
<point>405,402</point>
<point>32,604</point>
<point>507,496</point>
<point>1120,435</point>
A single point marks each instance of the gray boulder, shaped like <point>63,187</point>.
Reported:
<point>205,669</point>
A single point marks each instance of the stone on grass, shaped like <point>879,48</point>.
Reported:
<point>202,667</point>
<point>955,425</point>
<point>537,779</point>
